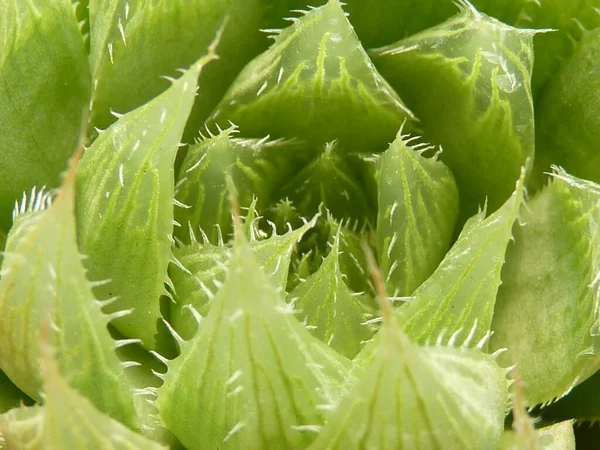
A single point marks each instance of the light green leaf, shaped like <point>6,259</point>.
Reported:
<point>547,308</point>
<point>67,420</point>
<point>203,268</point>
<point>252,376</point>
<point>317,83</point>
<point>136,43</point>
<point>582,403</point>
<point>44,90</point>
<point>554,437</point>
<point>258,168</point>
<point>125,205</point>
<point>417,211</point>
<point>42,247</point>
<point>420,397</point>
<point>331,311</point>
<point>468,81</point>
<point>457,301</point>
<point>568,120</point>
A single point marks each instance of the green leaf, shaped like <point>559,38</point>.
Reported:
<point>546,311</point>
<point>125,205</point>
<point>457,301</point>
<point>136,43</point>
<point>331,311</point>
<point>44,89</point>
<point>582,403</point>
<point>257,168</point>
<point>568,119</point>
<point>42,247</point>
<point>420,397</point>
<point>10,395</point>
<point>316,69</point>
<point>417,211</point>
<point>554,437</point>
<point>331,181</point>
<point>66,420</point>
<point>252,375</point>
<point>468,81</point>
<point>204,266</point>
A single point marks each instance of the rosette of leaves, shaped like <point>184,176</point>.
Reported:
<point>314,274</point>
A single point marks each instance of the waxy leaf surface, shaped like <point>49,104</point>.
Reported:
<point>468,81</point>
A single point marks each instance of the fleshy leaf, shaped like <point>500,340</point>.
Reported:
<point>316,69</point>
<point>42,246</point>
<point>547,308</point>
<point>417,211</point>
<point>67,420</point>
<point>252,374</point>
<point>205,268</point>
<point>44,90</point>
<point>468,81</point>
<point>420,397</point>
<point>582,403</point>
<point>329,180</point>
<point>568,120</point>
<point>331,311</point>
<point>136,43</point>
<point>257,167</point>
<point>125,205</point>
<point>457,301</point>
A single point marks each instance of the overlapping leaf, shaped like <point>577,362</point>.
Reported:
<point>44,89</point>
<point>252,375</point>
<point>330,180</point>
<point>67,420</point>
<point>420,397</point>
<point>136,42</point>
<point>257,167</point>
<point>468,81</point>
<point>315,82</point>
<point>205,266</point>
<point>331,311</point>
<point>417,211</point>
<point>547,308</point>
<point>42,246</point>
<point>125,205</point>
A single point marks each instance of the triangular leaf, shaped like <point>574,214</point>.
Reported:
<point>42,247</point>
<point>332,312</point>
<point>315,69</point>
<point>252,374</point>
<point>457,301</point>
<point>125,205</point>
<point>420,397</point>
<point>417,211</point>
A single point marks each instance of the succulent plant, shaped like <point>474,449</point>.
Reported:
<point>379,231</point>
